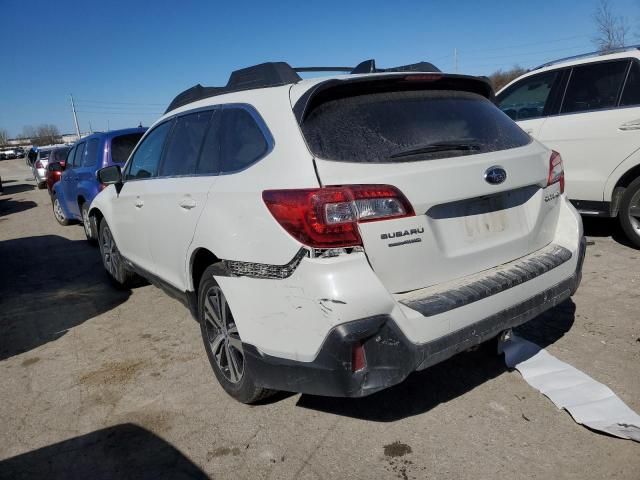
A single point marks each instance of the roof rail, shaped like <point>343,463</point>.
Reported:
<point>275,74</point>
<point>588,55</point>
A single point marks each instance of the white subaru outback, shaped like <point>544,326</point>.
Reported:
<point>588,108</point>
<point>333,235</point>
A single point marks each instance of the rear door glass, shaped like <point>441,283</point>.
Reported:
<point>209,162</point>
<point>409,126</point>
<point>528,98</point>
<point>123,145</point>
<point>183,147</point>
<point>594,87</point>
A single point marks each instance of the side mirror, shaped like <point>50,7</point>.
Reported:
<point>111,176</point>
<point>55,167</point>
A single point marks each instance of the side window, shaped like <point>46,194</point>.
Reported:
<point>146,158</point>
<point>183,146</point>
<point>209,161</point>
<point>90,157</point>
<point>631,93</point>
<point>77,158</point>
<point>528,98</point>
<point>594,87</point>
<point>69,158</point>
<point>242,140</point>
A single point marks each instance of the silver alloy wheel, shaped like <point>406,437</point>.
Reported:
<point>86,222</point>
<point>110,254</point>
<point>634,212</point>
<point>57,210</point>
<point>222,335</point>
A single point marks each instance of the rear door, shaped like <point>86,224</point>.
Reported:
<point>436,147</point>
<point>177,197</point>
<point>85,184</point>
<point>598,125</point>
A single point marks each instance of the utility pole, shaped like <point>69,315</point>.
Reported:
<point>455,60</point>
<point>75,116</point>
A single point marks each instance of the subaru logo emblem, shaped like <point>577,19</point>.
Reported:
<point>495,175</point>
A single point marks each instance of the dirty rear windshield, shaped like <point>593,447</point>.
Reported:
<point>44,154</point>
<point>122,146</point>
<point>409,126</point>
<point>59,154</point>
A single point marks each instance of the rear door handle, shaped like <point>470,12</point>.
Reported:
<point>632,125</point>
<point>139,203</point>
<point>187,203</point>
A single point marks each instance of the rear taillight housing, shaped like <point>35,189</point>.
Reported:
<point>39,164</point>
<point>556,170</point>
<point>328,217</point>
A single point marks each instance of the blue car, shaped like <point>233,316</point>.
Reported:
<point>78,184</point>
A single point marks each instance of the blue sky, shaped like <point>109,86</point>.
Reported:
<point>125,60</point>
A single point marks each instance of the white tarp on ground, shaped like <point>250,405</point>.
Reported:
<point>590,403</point>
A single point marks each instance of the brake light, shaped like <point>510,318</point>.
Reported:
<point>328,217</point>
<point>101,187</point>
<point>39,164</point>
<point>556,170</point>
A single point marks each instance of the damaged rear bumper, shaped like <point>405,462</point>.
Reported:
<point>390,355</point>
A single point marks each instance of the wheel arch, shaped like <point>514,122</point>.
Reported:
<point>620,178</point>
<point>199,260</point>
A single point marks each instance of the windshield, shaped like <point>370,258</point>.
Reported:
<point>44,154</point>
<point>409,126</point>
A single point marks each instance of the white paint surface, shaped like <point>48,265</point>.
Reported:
<point>590,403</point>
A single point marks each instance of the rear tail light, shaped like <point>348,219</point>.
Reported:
<point>39,164</point>
<point>328,217</point>
<point>101,187</point>
<point>556,170</point>
<point>358,358</point>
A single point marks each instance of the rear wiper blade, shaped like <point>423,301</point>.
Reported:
<point>438,147</point>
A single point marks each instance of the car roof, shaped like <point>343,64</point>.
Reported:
<point>593,57</point>
<point>276,74</point>
<point>113,133</point>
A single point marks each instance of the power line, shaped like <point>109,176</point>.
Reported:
<point>118,103</point>
<point>119,113</point>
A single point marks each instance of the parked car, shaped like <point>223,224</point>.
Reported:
<point>39,166</point>
<point>588,108</point>
<point>333,235</point>
<point>7,154</point>
<point>19,152</point>
<point>55,167</point>
<point>78,184</point>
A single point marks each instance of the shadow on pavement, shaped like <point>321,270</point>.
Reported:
<point>48,285</point>
<point>13,189</point>
<point>122,451</point>
<point>605,227</point>
<point>424,390</point>
<point>9,205</point>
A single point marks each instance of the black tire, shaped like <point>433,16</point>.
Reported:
<point>58,213</point>
<point>88,225</point>
<point>629,214</point>
<point>240,384</point>
<point>42,185</point>
<point>118,273</point>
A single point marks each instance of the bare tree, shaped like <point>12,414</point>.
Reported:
<point>48,134</point>
<point>29,131</point>
<point>611,30</point>
<point>4,136</point>
<point>500,78</point>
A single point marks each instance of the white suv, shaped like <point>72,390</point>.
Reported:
<point>333,235</point>
<point>588,109</point>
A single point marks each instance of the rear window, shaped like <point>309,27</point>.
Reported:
<point>59,155</point>
<point>409,126</point>
<point>44,154</point>
<point>122,146</point>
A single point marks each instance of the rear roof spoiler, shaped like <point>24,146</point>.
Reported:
<point>347,87</point>
<point>275,74</point>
